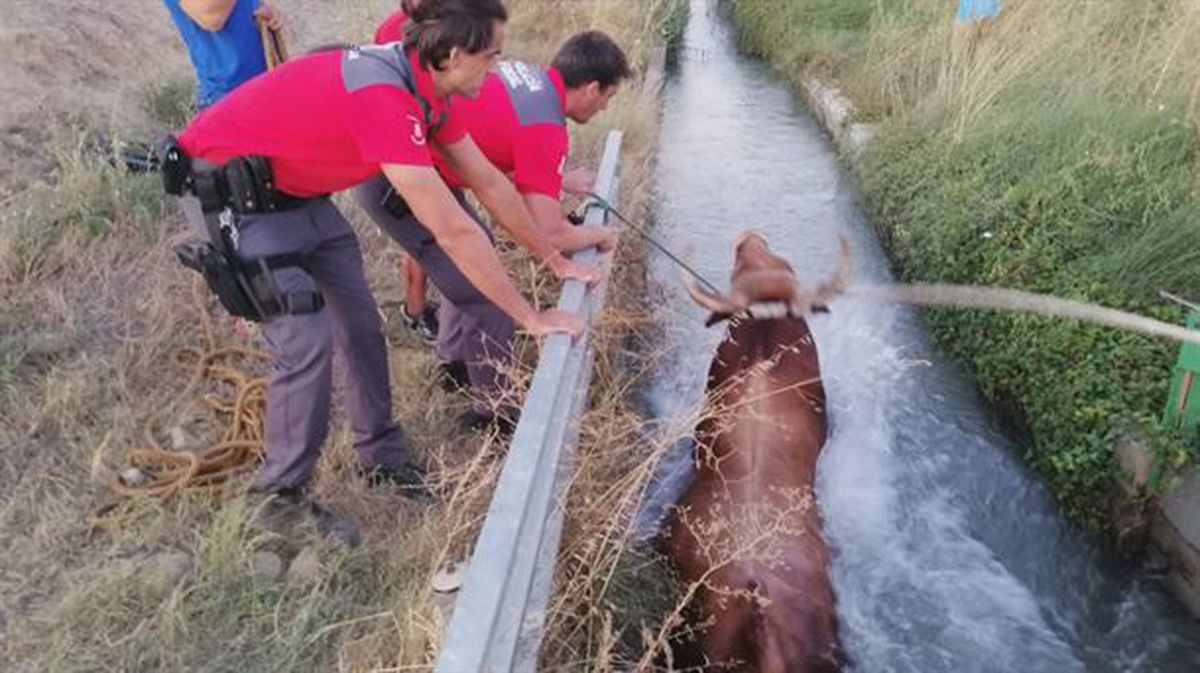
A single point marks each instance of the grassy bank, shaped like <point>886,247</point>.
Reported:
<point>93,316</point>
<point>1056,154</point>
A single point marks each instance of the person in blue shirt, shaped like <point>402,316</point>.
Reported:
<point>223,41</point>
<point>974,11</point>
<point>972,23</point>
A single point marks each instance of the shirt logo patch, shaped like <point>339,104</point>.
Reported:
<point>521,75</point>
<point>418,132</point>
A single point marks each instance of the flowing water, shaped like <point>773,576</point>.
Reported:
<point>948,555</point>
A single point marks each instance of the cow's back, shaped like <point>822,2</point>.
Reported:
<point>756,455</point>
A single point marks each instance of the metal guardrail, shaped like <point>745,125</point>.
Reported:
<point>498,617</point>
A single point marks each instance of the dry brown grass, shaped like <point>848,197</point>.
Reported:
<point>92,314</point>
<point>1135,53</point>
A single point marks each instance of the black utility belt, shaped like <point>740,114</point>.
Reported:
<point>245,185</point>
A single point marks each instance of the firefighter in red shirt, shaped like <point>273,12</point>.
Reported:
<point>417,314</point>
<point>518,120</point>
<point>255,172</point>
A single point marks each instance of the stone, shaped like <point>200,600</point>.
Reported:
<point>268,566</point>
<point>133,477</point>
<point>837,114</point>
<point>306,568</point>
<point>448,578</point>
<point>163,571</point>
<point>1136,460</point>
<point>830,105</point>
<point>858,138</point>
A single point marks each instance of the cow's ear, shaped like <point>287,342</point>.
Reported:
<point>714,318</point>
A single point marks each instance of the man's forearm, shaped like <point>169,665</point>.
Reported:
<point>569,239</point>
<point>475,257</point>
<point>460,237</point>
<point>581,238</point>
<point>503,202</point>
<point>565,237</point>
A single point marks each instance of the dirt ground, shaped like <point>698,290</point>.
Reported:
<point>67,65</point>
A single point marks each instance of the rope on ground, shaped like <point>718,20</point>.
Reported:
<point>167,473</point>
<point>155,471</point>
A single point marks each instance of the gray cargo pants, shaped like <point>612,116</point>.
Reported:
<point>471,328</point>
<point>299,391</point>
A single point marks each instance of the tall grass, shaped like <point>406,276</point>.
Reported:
<point>1056,152</point>
<point>93,313</point>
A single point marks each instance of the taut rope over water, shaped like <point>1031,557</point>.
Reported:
<point>966,296</point>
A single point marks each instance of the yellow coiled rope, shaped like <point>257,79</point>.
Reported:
<point>238,407</point>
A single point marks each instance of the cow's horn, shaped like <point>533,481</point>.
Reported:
<point>841,277</point>
<point>836,285</point>
<point>716,303</point>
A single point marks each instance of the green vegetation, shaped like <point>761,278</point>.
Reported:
<point>171,103</point>
<point>94,199</point>
<point>672,16</point>
<point>1054,153</point>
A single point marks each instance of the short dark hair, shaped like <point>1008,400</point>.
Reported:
<point>591,56</point>
<point>437,26</point>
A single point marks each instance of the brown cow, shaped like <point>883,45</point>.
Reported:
<point>747,533</point>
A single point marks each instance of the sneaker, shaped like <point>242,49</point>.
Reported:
<point>453,376</point>
<point>424,325</point>
<point>289,513</point>
<point>485,421</point>
<point>409,479</point>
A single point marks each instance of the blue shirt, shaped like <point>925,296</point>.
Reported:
<point>970,11</point>
<point>225,58</point>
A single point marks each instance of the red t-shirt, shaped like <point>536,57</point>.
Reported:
<point>392,28</point>
<point>326,122</point>
<point>519,123</point>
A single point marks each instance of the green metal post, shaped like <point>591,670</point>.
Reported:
<point>1183,405</point>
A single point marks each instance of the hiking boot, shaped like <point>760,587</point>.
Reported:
<point>289,513</point>
<point>282,512</point>
<point>424,324</point>
<point>333,526</point>
<point>453,376</point>
<point>408,479</point>
<point>486,421</point>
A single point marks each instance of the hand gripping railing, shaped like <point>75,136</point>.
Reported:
<point>498,617</point>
